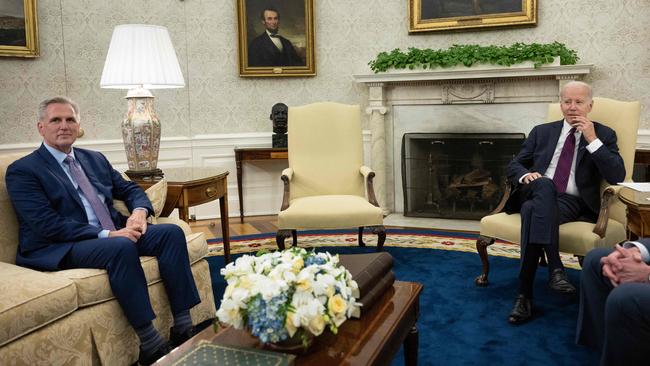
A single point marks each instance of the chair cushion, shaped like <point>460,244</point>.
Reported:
<point>93,286</point>
<point>31,299</point>
<point>575,237</point>
<point>329,212</point>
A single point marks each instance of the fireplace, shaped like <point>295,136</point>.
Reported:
<point>470,100</point>
<point>455,175</point>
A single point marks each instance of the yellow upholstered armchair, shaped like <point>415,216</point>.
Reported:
<point>576,237</point>
<point>326,185</point>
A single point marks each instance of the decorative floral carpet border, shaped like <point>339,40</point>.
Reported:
<point>403,238</point>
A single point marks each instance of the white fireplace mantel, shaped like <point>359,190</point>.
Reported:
<point>462,86</point>
<point>481,72</point>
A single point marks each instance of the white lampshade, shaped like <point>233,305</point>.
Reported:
<point>141,56</point>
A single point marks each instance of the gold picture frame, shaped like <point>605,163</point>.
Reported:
<point>276,39</point>
<point>441,15</point>
<point>19,29</point>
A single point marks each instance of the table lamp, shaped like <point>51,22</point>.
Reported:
<point>141,57</point>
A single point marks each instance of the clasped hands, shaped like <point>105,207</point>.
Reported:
<point>625,265</point>
<point>136,226</point>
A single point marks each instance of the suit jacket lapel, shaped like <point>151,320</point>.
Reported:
<point>554,135</point>
<point>582,146</point>
<point>56,169</point>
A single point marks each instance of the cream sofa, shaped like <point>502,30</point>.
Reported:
<point>71,317</point>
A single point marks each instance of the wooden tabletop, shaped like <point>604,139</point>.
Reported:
<point>372,340</point>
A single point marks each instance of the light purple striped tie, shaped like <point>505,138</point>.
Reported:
<point>101,211</point>
<point>563,170</point>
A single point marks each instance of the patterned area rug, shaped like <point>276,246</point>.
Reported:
<point>403,238</point>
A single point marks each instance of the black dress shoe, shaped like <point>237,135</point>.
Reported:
<point>178,338</point>
<point>522,311</point>
<point>560,282</point>
<point>147,358</point>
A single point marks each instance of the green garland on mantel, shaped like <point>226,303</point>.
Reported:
<point>470,54</point>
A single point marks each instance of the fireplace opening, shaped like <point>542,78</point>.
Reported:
<point>455,175</point>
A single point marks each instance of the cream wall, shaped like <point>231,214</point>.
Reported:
<point>74,36</point>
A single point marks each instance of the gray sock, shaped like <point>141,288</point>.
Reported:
<point>150,339</point>
<point>182,321</point>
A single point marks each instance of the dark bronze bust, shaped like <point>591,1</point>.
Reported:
<point>279,116</point>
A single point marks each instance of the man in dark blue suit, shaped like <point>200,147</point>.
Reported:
<point>614,303</point>
<point>63,198</point>
<point>557,176</point>
<point>270,48</point>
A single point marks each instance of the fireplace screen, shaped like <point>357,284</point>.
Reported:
<point>455,175</point>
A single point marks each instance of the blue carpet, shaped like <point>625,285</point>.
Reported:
<point>461,324</point>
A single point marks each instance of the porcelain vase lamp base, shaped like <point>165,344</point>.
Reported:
<point>141,135</point>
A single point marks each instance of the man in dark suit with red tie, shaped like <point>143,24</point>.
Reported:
<point>557,176</point>
<point>270,48</point>
<point>63,198</point>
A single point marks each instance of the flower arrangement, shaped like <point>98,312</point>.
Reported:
<point>287,294</point>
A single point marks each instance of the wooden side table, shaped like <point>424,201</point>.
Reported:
<point>638,212</point>
<point>249,154</point>
<point>187,187</point>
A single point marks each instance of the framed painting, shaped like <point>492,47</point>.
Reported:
<point>440,15</point>
<point>18,28</point>
<point>276,38</point>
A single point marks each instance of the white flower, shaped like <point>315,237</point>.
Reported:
<point>243,265</point>
<point>268,287</point>
<point>229,313</point>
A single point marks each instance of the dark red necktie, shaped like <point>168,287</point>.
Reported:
<point>563,169</point>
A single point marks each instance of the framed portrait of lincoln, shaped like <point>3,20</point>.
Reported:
<point>18,28</point>
<point>441,15</point>
<point>276,38</point>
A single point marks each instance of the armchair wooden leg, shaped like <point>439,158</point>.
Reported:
<point>381,236</point>
<point>294,236</point>
<point>481,247</point>
<point>361,243</point>
<point>280,236</point>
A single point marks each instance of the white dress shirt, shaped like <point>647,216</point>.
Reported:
<point>571,187</point>
<point>276,41</point>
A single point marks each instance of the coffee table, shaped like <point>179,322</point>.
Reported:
<point>372,340</point>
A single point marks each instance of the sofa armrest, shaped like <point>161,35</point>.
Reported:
<point>32,299</point>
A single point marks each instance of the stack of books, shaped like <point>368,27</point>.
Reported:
<point>374,275</point>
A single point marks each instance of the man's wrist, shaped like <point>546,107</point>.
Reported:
<point>146,211</point>
<point>645,255</point>
<point>594,145</point>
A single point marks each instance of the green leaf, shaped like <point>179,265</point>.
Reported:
<point>470,54</point>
